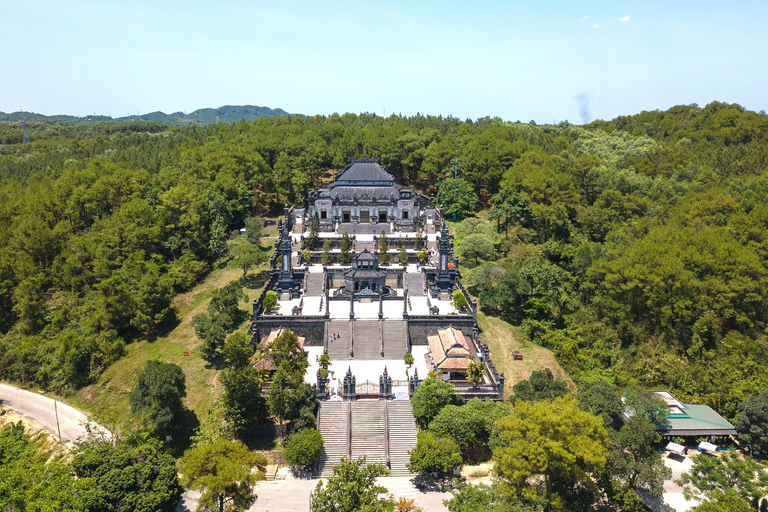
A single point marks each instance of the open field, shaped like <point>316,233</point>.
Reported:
<point>503,339</point>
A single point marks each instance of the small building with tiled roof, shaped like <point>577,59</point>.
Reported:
<point>451,352</point>
<point>365,276</point>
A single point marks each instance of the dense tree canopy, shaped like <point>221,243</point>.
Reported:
<point>541,385</point>
<point>304,449</point>
<point>711,477</point>
<point>434,454</point>
<point>225,472</point>
<point>552,450</point>
<point>430,398</point>
<point>634,248</point>
<point>125,477</point>
<point>158,393</point>
<point>752,421</point>
<point>351,488</point>
<point>471,426</point>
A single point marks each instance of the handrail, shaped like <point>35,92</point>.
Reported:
<point>386,433</point>
<point>349,430</point>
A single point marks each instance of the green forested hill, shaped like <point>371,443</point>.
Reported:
<point>635,248</point>
<point>227,114</point>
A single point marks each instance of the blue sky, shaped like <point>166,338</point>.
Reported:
<point>526,60</point>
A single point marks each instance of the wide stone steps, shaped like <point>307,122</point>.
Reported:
<point>402,436</point>
<point>415,283</point>
<point>338,349</point>
<point>395,343</point>
<point>369,433</point>
<point>315,284</point>
<point>368,436</point>
<point>334,427</point>
<point>367,340</point>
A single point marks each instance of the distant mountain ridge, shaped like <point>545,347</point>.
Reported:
<point>227,114</point>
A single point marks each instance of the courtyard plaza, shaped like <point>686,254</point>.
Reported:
<point>368,370</point>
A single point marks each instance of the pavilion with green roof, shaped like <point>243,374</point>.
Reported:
<point>692,420</point>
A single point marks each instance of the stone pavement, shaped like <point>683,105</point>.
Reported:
<point>672,500</point>
<point>292,495</point>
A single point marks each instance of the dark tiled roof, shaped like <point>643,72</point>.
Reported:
<point>364,171</point>
<point>364,274</point>
<point>366,255</point>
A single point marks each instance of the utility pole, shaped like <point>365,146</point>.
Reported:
<point>217,115</point>
<point>56,410</point>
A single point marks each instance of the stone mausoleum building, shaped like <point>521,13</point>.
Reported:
<point>368,314</point>
<point>365,193</point>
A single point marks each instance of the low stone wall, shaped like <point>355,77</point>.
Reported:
<point>312,329</point>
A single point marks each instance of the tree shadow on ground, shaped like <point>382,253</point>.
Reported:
<point>676,457</point>
<point>165,327</point>
<point>182,431</point>
<point>262,437</point>
<point>429,483</point>
<point>255,281</point>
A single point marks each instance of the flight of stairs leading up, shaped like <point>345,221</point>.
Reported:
<point>334,427</point>
<point>415,283</point>
<point>315,284</point>
<point>395,342</point>
<point>338,349</point>
<point>367,340</point>
<point>402,436</point>
<point>368,437</point>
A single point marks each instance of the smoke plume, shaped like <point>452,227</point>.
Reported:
<point>584,113</point>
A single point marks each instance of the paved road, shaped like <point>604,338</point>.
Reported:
<point>40,409</point>
<point>292,495</point>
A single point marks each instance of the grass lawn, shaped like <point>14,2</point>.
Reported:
<point>108,398</point>
<point>503,339</point>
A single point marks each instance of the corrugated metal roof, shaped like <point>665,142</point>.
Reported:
<point>701,420</point>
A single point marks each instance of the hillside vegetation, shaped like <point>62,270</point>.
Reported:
<point>634,249</point>
<point>227,114</point>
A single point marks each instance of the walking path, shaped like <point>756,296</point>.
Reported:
<point>292,495</point>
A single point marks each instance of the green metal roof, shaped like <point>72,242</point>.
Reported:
<point>697,420</point>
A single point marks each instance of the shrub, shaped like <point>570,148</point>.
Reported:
<point>303,449</point>
<point>270,300</point>
<point>434,454</point>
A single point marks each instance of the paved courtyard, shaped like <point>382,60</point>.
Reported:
<point>292,495</point>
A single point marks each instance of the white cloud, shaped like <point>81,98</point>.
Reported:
<point>584,18</point>
<point>624,19</point>
<point>597,25</point>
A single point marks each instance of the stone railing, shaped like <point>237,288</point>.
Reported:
<point>274,276</point>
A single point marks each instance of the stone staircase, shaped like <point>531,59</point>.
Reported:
<point>368,435</point>
<point>338,349</point>
<point>367,340</point>
<point>402,435</point>
<point>395,339</point>
<point>334,427</point>
<point>315,284</point>
<point>415,283</point>
<point>367,419</point>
